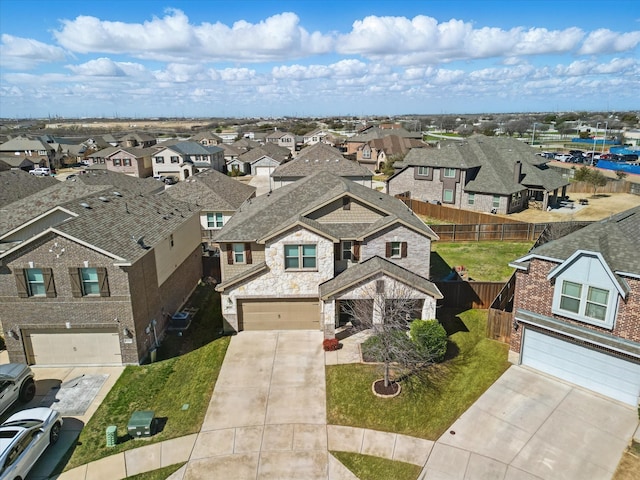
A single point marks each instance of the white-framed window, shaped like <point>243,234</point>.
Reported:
<point>215,220</point>
<point>238,253</point>
<point>423,171</point>
<point>449,173</point>
<point>89,281</point>
<point>116,162</point>
<point>366,153</point>
<point>396,249</point>
<point>127,162</point>
<point>175,159</point>
<point>447,196</point>
<point>159,159</point>
<point>35,282</point>
<point>347,250</point>
<point>300,257</point>
<point>471,199</point>
<point>587,303</point>
<point>496,201</point>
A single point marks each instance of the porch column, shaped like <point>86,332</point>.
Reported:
<point>545,201</point>
<point>329,318</point>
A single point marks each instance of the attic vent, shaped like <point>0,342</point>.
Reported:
<point>306,160</point>
<point>85,205</point>
<point>103,199</point>
<point>117,194</point>
<point>317,160</point>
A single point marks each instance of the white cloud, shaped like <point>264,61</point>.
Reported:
<point>605,41</point>
<point>173,37</point>
<point>19,53</point>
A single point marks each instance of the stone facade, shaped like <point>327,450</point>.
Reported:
<point>418,248</point>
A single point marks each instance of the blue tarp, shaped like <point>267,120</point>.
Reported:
<point>597,141</point>
<point>623,151</point>
<point>625,167</point>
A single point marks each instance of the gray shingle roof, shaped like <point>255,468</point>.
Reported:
<point>616,238</point>
<point>119,181</point>
<point>268,214</point>
<point>194,148</point>
<point>376,132</point>
<point>372,267</point>
<point>321,157</point>
<point>212,190</point>
<point>17,184</point>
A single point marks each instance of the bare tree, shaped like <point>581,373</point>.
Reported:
<point>387,309</point>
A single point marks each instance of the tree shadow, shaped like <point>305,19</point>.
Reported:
<point>439,268</point>
<point>450,320</point>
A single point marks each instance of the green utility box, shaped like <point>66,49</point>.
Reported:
<point>112,435</point>
<point>141,424</point>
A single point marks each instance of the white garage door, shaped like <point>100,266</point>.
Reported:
<point>292,314</point>
<point>592,369</point>
<point>264,171</point>
<point>77,348</point>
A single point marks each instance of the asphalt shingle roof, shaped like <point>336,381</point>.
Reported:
<point>17,184</point>
<point>320,157</point>
<point>259,218</point>
<point>212,190</point>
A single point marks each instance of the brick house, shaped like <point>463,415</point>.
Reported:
<point>486,174</point>
<point>89,275</point>
<point>295,258</point>
<point>577,308</point>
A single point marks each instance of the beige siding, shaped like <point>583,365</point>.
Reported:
<point>357,213</point>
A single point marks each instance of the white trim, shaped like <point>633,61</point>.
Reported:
<point>39,217</point>
<point>580,253</point>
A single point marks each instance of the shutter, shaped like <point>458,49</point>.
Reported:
<point>102,281</point>
<point>356,251</point>
<point>76,286</point>
<point>247,253</point>
<point>229,254</point>
<point>21,282</point>
<point>403,249</point>
<point>49,286</point>
<point>337,254</point>
<point>388,249</point>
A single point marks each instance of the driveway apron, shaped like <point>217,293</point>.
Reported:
<point>531,426</point>
<point>267,416</point>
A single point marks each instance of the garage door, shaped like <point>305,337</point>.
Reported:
<point>77,348</point>
<point>293,314</point>
<point>264,171</point>
<point>592,369</point>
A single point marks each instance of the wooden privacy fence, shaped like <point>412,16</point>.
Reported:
<point>449,214</point>
<point>469,294</point>
<point>612,186</point>
<point>500,315</point>
<point>489,231</point>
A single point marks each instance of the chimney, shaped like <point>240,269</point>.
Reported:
<point>517,171</point>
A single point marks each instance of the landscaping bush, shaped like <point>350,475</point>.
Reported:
<point>430,337</point>
<point>331,344</point>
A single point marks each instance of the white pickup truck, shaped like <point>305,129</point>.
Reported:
<point>16,383</point>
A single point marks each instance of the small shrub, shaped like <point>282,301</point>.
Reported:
<point>430,337</point>
<point>331,344</point>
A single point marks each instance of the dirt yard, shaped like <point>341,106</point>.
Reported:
<point>599,207</point>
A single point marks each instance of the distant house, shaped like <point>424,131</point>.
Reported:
<point>33,149</point>
<point>486,174</point>
<point>263,160</point>
<point>282,139</point>
<point>371,133</point>
<point>183,159</point>
<point>577,308</point>
<point>300,256</point>
<point>316,136</point>
<point>139,140</point>
<point>320,157</point>
<point>131,161</point>
<point>217,197</point>
<point>207,139</point>
<point>377,152</point>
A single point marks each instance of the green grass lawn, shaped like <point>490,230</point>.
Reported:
<point>164,387</point>
<point>421,410</point>
<point>366,467</point>
<point>485,261</point>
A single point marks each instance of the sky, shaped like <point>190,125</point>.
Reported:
<point>236,58</point>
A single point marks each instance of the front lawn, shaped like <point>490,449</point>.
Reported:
<point>366,467</point>
<point>178,389</point>
<point>485,261</point>
<point>421,410</point>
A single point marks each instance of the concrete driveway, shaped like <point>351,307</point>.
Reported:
<point>530,426</point>
<point>267,416</point>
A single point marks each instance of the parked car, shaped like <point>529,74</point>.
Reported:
<point>171,180</point>
<point>40,171</point>
<point>23,439</point>
<point>16,383</point>
<point>562,157</point>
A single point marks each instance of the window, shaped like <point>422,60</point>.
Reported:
<point>175,159</point>
<point>159,159</point>
<point>116,162</point>
<point>366,153</point>
<point>447,196</point>
<point>238,252</point>
<point>299,257</point>
<point>471,199</point>
<point>127,162</point>
<point>570,298</point>
<point>423,171</point>
<point>396,249</point>
<point>586,301</point>
<point>215,220</point>
<point>496,201</point>
<point>347,250</point>
<point>89,279</point>
<point>449,173</point>
<point>35,282</point>
<point>597,300</point>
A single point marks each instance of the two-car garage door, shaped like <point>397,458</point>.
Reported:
<point>290,314</point>
<point>593,369</point>
<point>65,347</point>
